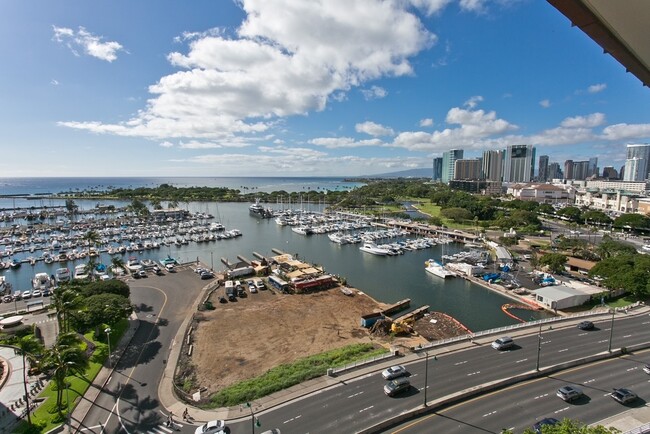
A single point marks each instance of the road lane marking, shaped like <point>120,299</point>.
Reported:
<point>647,322</point>
<point>603,341</point>
<point>589,381</point>
<point>355,394</point>
<point>473,373</point>
<point>561,351</point>
<point>367,408</point>
<point>627,336</point>
<point>520,361</point>
<point>292,419</point>
<point>631,369</point>
<point>490,413</point>
<point>561,410</point>
<point>460,363</point>
<point>582,334</point>
<point>541,396</point>
<point>546,342</point>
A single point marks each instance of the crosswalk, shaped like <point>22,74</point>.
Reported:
<point>164,429</point>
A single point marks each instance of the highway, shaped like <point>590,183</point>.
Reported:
<point>520,406</point>
<point>358,404</point>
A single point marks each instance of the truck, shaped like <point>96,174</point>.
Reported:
<point>230,290</point>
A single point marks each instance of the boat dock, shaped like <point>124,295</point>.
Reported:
<point>413,315</point>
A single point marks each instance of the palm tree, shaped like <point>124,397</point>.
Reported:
<point>65,301</point>
<point>28,347</point>
<point>92,237</point>
<point>90,268</point>
<point>65,358</point>
<point>117,264</point>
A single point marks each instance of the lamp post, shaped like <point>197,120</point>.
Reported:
<point>254,422</point>
<point>539,345</point>
<point>426,374</point>
<point>108,340</point>
<point>611,331</point>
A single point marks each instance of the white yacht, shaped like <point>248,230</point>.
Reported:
<point>302,230</point>
<point>437,269</point>
<point>62,275</point>
<point>338,238</point>
<point>80,272</point>
<point>374,249</point>
<point>41,281</point>
<point>133,264</point>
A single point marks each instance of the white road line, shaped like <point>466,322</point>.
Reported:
<point>631,369</point>
<point>561,410</point>
<point>473,373</point>
<point>582,334</point>
<point>627,336</point>
<point>541,396</point>
<point>460,363</point>
<point>600,342</point>
<point>520,361</point>
<point>367,408</point>
<point>546,342</point>
<point>647,322</point>
<point>490,413</point>
<point>355,394</point>
<point>292,419</point>
<point>561,351</point>
<point>589,381</point>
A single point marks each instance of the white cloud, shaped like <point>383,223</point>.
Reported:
<point>545,103</point>
<point>427,122</point>
<point>287,58</point>
<point>373,129</point>
<point>473,101</point>
<point>91,44</point>
<point>589,121</point>
<point>344,142</point>
<point>626,131</point>
<point>375,92</point>
<point>430,7</point>
<point>166,144</point>
<point>54,82</point>
<point>595,88</point>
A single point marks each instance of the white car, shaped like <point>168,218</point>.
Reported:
<point>170,268</point>
<point>27,294</point>
<point>503,343</point>
<point>212,427</point>
<point>394,372</point>
<point>37,293</point>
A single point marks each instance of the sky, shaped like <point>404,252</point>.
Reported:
<point>301,88</point>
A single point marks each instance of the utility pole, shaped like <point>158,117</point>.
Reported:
<point>611,331</point>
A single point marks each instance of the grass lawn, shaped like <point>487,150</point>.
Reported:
<point>46,416</point>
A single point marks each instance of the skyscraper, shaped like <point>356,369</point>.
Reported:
<point>609,172</point>
<point>492,165</point>
<point>467,169</point>
<point>437,169</point>
<point>542,173</point>
<point>554,171</point>
<point>593,166</point>
<point>580,170</point>
<point>449,164</point>
<point>519,163</point>
<point>640,154</point>
<point>568,169</point>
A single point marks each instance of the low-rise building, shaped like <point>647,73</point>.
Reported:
<point>560,297</point>
<point>543,193</point>
<point>607,200</point>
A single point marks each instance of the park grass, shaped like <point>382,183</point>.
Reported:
<point>287,375</point>
<point>46,417</point>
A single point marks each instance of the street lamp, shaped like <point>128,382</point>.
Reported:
<point>539,345</point>
<point>108,331</point>
<point>426,374</point>
<point>611,331</point>
<point>254,421</point>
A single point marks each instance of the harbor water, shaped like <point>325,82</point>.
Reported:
<point>385,278</point>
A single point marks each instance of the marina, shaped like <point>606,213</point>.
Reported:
<point>388,278</point>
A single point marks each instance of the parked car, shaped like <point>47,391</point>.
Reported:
<point>544,422</point>
<point>394,372</point>
<point>503,343</point>
<point>259,284</point>
<point>170,268</point>
<point>622,395</point>
<point>212,427</point>
<point>27,294</point>
<point>569,393</point>
<point>206,275</point>
<point>251,287</point>
<point>47,292</point>
<point>7,299</point>
<point>140,273</point>
<point>586,325</point>
<point>396,386</point>
<point>37,293</point>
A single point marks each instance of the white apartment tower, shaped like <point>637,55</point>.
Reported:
<point>519,163</point>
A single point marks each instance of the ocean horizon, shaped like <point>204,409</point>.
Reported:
<point>55,185</point>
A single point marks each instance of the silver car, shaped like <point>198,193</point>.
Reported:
<point>394,372</point>
<point>624,396</point>
<point>569,393</point>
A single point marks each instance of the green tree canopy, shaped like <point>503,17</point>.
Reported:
<point>554,261</point>
<point>112,286</point>
<point>105,309</point>
<point>570,212</point>
<point>632,221</point>
<point>456,214</point>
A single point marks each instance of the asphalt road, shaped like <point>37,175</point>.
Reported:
<point>129,401</point>
<point>520,406</point>
<point>358,404</point>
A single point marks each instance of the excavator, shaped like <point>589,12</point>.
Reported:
<point>402,326</point>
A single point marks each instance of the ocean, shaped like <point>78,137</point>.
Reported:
<point>387,279</point>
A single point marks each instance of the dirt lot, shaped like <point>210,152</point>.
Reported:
<point>243,339</point>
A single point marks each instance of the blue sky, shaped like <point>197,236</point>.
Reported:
<point>302,88</point>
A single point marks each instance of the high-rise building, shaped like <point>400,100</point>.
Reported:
<point>449,164</point>
<point>568,169</point>
<point>580,170</point>
<point>621,173</point>
<point>542,174</point>
<point>519,163</point>
<point>593,167</point>
<point>609,173</point>
<point>492,166</point>
<point>467,169</point>
<point>554,171</point>
<point>437,169</point>
<point>641,155</point>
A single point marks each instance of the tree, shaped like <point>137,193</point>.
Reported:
<point>29,348</point>
<point>554,261</point>
<point>632,221</point>
<point>113,286</point>
<point>65,301</point>
<point>456,214</point>
<point>570,212</point>
<point>118,264</point>
<point>106,309</point>
<point>92,237</point>
<point>63,359</point>
<point>596,217</point>
<point>70,206</point>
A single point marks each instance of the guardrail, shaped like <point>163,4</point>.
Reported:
<point>334,371</point>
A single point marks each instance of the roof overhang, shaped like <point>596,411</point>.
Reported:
<point>619,27</point>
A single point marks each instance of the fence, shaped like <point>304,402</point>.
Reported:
<point>334,371</point>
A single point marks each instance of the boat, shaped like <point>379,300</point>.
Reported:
<point>168,260</point>
<point>374,249</point>
<point>80,272</point>
<point>302,230</point>
<point>338,238</point>
<point>148,264</point>
<point>15,264</point>
<point>133,264</point>
<point>41,281</point>
<point>437,269</point>
<point>62,275</point>
<point>257,210</point>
